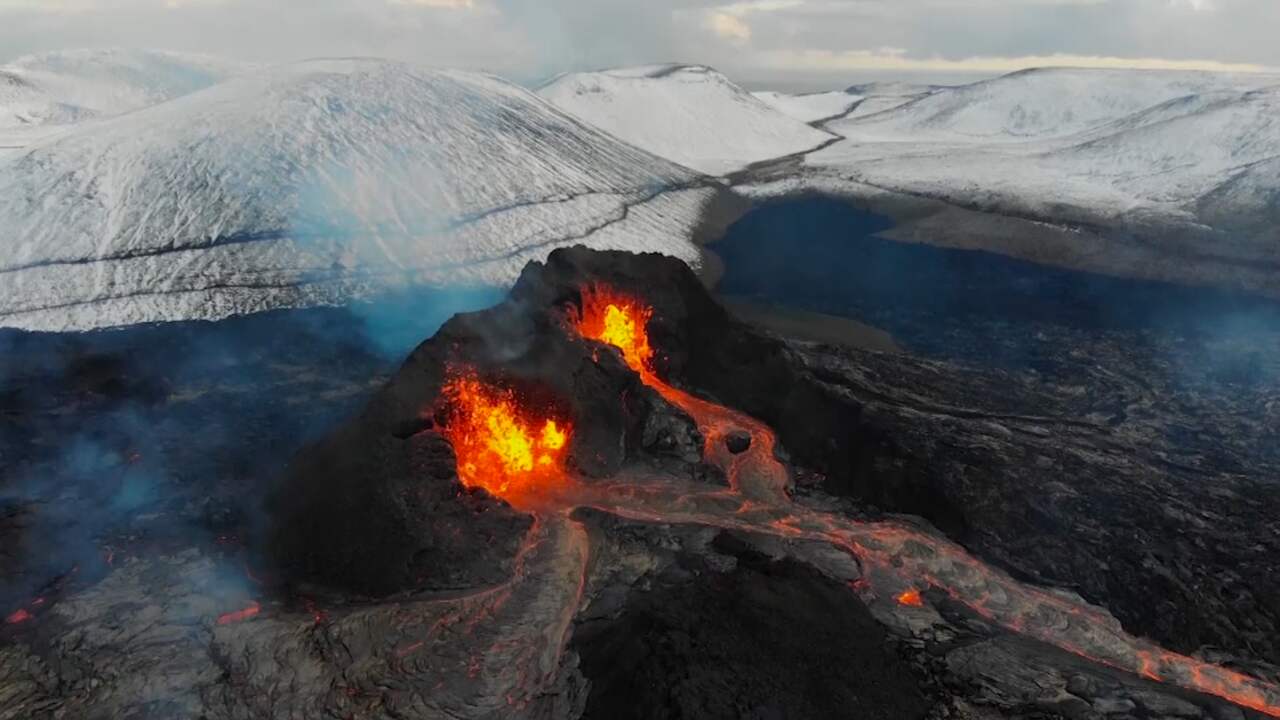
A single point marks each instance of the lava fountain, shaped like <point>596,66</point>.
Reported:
<point>620,321</point>
<point>502,444</point>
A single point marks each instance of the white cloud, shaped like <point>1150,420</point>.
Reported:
<point>742,8</point>
<point>731,21</point>
<point>448,4</point>
<point>896,59</point>
<point>749,39</point>
<point>729,26</point>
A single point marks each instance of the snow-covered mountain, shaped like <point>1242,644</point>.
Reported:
<point>687,113</point>
<point>854,102</point>
<point>1170,175</point>
<point>1163,156</point>
<point>72,84</point>
<point>313,183</point>
<point>40,95</point>
<point>1036,103</point>
<point>880,96</point>
<point>150,187</point>
<point>894,88</point>
<point>811,107</point>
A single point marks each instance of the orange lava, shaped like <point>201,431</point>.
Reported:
<point>18,616</point>
<point>410,649</point>
<point>239,615</point>
<point>620,321</point>
<point>910,598</point>
<point>758,482</point>
<point>501,444</point>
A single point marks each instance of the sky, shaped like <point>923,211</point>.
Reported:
<point>782,43</point>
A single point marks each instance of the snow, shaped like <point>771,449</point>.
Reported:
<point>47,94</point>
<point>315,183</point>
<point>856,101</point>
<point>1186,162</point>
<point>894,88</point>
<point>141,187</point>
<point>811,107</point>
<point>878,103</point>
<point>1038,103</point>
<point>690,114</point>
<point>1159,158</point>
<point>66,87</point>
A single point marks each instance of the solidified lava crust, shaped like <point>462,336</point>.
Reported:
<point>611,337</point>
<point>587,502</point>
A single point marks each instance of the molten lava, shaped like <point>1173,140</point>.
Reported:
<point>620,321</point>
<point>758,483</point>
<point>18,616</point>
<point>502,445</point>
<point>910,598</point>
<point>239,615</point>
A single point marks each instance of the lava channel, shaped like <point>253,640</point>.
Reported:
<point>895,555</point>
<point>615,319</point>
<point>241,615</point>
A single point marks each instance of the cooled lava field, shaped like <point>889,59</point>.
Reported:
<point>607,497</point>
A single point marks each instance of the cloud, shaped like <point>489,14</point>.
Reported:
<point>729,26</point>
<point>450,4</point>
<point>748,39</point>
<point>897,59</point>
<point>731,21</point>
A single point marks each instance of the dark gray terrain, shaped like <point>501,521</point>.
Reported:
<point>241,539</point>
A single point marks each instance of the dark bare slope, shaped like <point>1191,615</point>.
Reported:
<point>764,640</point>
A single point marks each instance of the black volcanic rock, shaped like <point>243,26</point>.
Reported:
<point>373,514</point>
<point>763,640</point>
<point>1054,486</point>
<point>376,507</point>
<point>1124,495</point>
<point>1096,478</point>
<point>1086,492</point>
<point>1112,493</point>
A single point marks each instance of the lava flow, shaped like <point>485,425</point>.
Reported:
<point>910,598</point>
<point>502,445</point>
<point>893,554</point>
<point>612,318</point>
<point>239,615</point>
<point>20,615</point>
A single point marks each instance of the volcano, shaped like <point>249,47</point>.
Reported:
<point>606,497</point>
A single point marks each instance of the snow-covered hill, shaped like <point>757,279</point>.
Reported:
<point>810,107</point>
<point>1246,203</point>
<point>1161,159</point>
<point>42,95</point>
<point>314,183</point>
<point>110,82</point>
<point>1036,104</point>
<point>686,113</point>
<point>1165,175</point>
<point>894,88</point>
